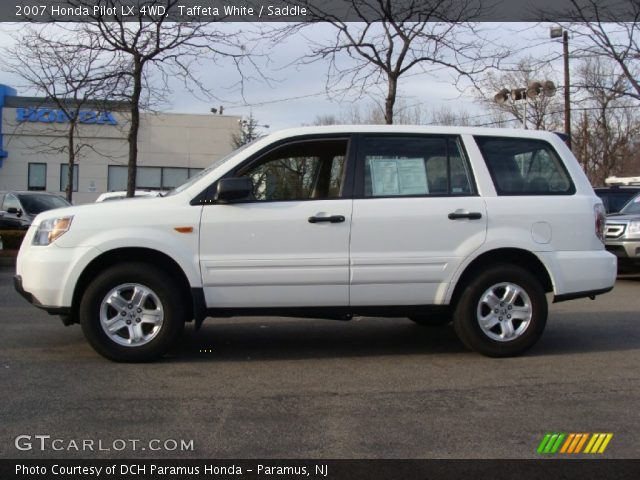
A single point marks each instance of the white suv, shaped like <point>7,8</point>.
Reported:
<point>437,224</point>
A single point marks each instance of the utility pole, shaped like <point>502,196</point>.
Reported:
<point>557,32</point>
<point>567,96</point>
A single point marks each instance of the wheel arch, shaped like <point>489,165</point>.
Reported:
<point>138,254</point>
<point>513,256</point>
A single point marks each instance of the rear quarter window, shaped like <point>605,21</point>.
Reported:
<point>522,166</point>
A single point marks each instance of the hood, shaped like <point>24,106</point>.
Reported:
<point>126,207</point>
<point>619,217</point>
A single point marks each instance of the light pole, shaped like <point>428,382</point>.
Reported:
<point>557,32</point>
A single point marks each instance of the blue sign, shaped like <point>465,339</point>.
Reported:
<point>52,115</point>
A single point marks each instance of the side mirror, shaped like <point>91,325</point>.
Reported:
<point>14,211</point>
<point>233,189</point>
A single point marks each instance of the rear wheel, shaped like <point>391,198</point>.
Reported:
<point>132,313</point>
<point>502,312</point>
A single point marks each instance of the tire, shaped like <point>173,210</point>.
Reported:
<point>514,319</point>
<point>149,313</point>
<point>433,320</point>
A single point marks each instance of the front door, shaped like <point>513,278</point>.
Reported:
<point>288,246</point>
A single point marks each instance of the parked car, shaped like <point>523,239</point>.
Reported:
<point>120,195</point>
<point>617,196</point>
<point>437,224</point>
<point>22,207</point>
<point>622,234</point>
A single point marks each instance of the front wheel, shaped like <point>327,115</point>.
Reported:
<point>502,312</point>
<point>132,313</point>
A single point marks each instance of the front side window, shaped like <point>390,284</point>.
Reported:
<point>522,166</point>
<point>37,176</point>
<point>414,166</point>
<point>299,171</point>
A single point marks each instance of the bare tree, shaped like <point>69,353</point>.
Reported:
<point>610,30</point>
<point>250,129</point>
<point>154,50</point>
<point>395,38</point>
<point>605,133</point>
<point>542,111</point>
<point>447,116</point>
<point>406,114</point>
<point>71,79</point>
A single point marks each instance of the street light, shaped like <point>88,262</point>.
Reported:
<point>546,88</point>
<point>557,32</point>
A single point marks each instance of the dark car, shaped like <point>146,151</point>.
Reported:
<point>617,196</point>
<point>20,208</point>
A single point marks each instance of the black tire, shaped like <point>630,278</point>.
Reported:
<point>164,291</point>
<point>433,320</point>
<point>467,323</point>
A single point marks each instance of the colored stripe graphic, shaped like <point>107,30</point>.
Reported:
<point>551,442</point>
<point>573,443</point>
<point>598,442</point>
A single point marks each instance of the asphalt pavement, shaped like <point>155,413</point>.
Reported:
<point>306,388</point>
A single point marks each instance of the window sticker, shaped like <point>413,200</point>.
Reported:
<point>393,176</point>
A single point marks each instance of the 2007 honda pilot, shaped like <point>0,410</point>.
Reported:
<point>469,225</point>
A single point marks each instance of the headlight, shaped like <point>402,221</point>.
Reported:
<point>634,228</point>
<point>49,230</point>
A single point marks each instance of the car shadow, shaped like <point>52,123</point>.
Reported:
<point>291,339</point>
<point>265,339</point>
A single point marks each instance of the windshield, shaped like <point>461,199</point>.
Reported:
<point>35,204</point>
<point>633,207</point>
<point>207,170</point>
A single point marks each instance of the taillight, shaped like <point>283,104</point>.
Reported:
<point>600,220</point>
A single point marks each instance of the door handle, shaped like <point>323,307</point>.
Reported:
<point>460,214</point>
<point>331,219</point>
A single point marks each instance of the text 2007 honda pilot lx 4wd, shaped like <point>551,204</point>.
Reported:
<point>468,225</point>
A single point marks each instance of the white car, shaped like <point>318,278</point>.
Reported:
<point>438,224</point>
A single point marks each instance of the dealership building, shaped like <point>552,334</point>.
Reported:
<point>171,146</point>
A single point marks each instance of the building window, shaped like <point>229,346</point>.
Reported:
<point>172,177</point>
<point>64,175</point>
<point>37,176</point>
<point>116,178</point>
<point>149,178</point>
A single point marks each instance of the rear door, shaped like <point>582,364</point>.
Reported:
<point>416,216</point>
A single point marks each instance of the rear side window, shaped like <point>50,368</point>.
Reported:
<point>414,166</point>
<point>521,166</point>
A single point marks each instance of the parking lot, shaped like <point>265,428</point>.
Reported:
<point>301,388</point>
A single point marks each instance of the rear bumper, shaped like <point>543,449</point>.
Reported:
<point>572,296</point>
<point>17,283</point>
<point>579,274</point>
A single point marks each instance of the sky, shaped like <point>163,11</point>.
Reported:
<point>296,94</point>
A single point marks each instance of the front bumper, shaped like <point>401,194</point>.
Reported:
<point>624,249</point>
<point>17,283</point>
